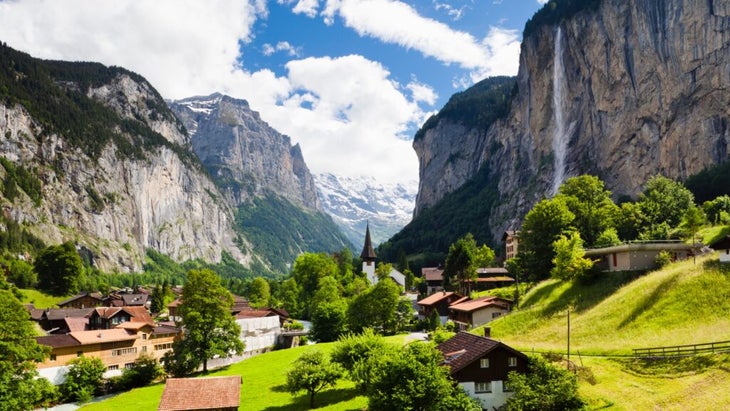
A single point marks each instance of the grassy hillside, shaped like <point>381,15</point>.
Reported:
<point>684,303</point>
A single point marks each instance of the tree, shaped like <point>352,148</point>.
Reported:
<point>630,221</point>
<point>375,308</point>
<point>144,370</point>
<point>542,226</point>
<point>352,348</point>
<point>312,372</point>
<point>59,269</point>
<point>328,321</point>
<point>609,237</point>
<point>413,379</point>
<point>258,292</point>
<point>20,389</point>
<point>692,220</point>
<point>569,262</point>
<point>664,201</point>
<point>717,208</point>
<point>209,327</point>
<point>591,204</point>
<point>308,269</point>
<point>83,378</point>
<point>484,256</point>
<point>21,274</point>
<point>460,267</point>
<point>288,297</point>
<point>543,388</point>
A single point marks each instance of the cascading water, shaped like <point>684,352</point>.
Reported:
<point>560,137</point>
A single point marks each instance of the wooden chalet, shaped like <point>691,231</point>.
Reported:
<point>473,313</point>
<point>201,394</point>
<point>481,365</point>
<point>83,300</point>
<point>439,302</point>
<point>434,277</point>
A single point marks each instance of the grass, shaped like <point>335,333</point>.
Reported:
<point>263,388</point>
<point>684,303</point>
<point>40,299</point>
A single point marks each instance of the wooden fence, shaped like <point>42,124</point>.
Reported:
<point>683,350</point>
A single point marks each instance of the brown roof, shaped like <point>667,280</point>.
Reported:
<point>721,244</point>
<point>61,313</point>
<point>436,297</point>
<point>57,340</point>
<point>464,348</point>
<point>134,299</point>
<point>479,304</point>
<point>432,273</point>
<point>492,271</point>
<point>138,314</point>
<point>95,296</point>
<point>368,253</point>
<point>102,336</point>
<point>76,323</point>
<point>201,393</point>
<point>255,313</point>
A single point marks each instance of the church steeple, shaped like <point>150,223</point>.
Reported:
<point>368,253</point>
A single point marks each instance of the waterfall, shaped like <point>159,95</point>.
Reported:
<point>560,137</point>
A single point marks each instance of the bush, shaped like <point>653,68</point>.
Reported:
<point>544,387</point>
<point>144,371</point>
<point>663,258</point>
<point>83,379</point>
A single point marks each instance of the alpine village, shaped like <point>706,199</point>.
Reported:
<point>569,247</point>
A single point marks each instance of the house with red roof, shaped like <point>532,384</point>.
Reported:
<point>201,394</point>
<point>473,313</point>
<point>481,366</point>
<point>440,302</point>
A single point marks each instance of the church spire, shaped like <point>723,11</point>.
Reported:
<point>368,253</point>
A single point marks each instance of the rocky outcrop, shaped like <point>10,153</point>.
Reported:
<point>115,205</point>
<point>245,156</point>
<point>643,90</point>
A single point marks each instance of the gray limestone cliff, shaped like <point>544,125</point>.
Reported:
<point>117,205</point>
<point>624,90</point>
<point>245,156</point>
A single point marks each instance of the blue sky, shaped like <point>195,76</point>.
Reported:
<point>350,80</point>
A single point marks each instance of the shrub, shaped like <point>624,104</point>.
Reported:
<point>83,379</point>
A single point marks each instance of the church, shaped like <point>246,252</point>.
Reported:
<point>368,263</point>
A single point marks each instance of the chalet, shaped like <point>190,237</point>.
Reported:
<point>63,320</point>
<point>511,243</point>
<point>211,393</point>
<point>117,348</point>
<point>491,277</point>
<point>473,313</point>
<point>83,300</point>
<point>434,277</point>
<point>638,256</point>
<point>481,365</point>
<point>723,246</point>
<point>104,318</point>
<point>439,302</point>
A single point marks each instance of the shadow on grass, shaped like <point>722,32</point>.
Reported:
<point>323,399</point>
<point>581,294</point>
<point>648,301</point>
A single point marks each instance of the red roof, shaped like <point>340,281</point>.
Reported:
<point>211,393</point>
<point>435,298</point>
<point>432,273</point>
<point>57,340</point>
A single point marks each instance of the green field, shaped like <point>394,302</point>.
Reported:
<point>40,299</point>
<point>263,388</point>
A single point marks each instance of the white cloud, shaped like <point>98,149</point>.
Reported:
<point>348,114</point>
<point>542,1</point>
<point>268,49</point>
<point>306,7</point>
<point>422,92</point>
<point>455,13</point>
<point>503,47</point>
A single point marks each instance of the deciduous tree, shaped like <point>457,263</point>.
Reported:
<point>544,387</point>
<point>59,269</point>
<point>569,262</point>
<point>587,198</point>
<point>312,372</point>
<point>460,267</point>
<point>83,378</point>
<point>20,389</point>
<point>375,308</point>
<point>258,292</point>
<point>209,327</point>
<point>542,226</point>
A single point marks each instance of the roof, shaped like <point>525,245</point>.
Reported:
<point>61,313</point>
<point>432,273</point>
<point>57,340</point>
<point>474,305</point>
<point>102,336</point>
<point>139,314</point>
<point>649,246</point>
<point>95,296</point>
<point>35,313</point>
<point>497,279</point>
<point>464,348</point>
<point>721,244</point>
<point>76,323</point>
<point>256,313</point>
<point>492,271</point>
<point>134,299</point>
<point>133,325</point>
<point>201,393</point>
<point>437,297</point>
<point>165,329</point>
<point>368,253</point>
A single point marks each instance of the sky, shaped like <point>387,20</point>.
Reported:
<point>351,81</point>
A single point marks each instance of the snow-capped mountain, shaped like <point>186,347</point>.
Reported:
<point>352,202</point>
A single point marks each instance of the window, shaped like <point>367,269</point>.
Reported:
<point>124,351</point>
<point>144,349</point>
<point>484,363</point>
<point>165,346</point>
<point>480,387</point>
<point>53,357</point>
<point>79,353</point>
<point>112,368</point>
<point>506,387</point>
<point>512,361</point>
<point>144,336</point>
<point>497,314</point>
<point>129,365</point>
